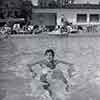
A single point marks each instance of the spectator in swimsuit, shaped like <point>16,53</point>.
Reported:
<point>50,62</point>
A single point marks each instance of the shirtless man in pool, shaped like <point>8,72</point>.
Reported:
<point>50,62</point>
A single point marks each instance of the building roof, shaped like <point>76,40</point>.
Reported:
<point>75,6</point>
<point>83,6</point>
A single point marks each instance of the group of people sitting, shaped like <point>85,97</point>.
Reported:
<point>11,27</point>
<point>15,28</point>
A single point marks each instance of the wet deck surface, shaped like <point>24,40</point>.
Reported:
<point>15,78</point>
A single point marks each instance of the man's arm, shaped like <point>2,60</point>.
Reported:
<point>71,70</point>
<point>63,62</point>
<point>33,64</point>
<point>70,67</point>
<point>30,66</point>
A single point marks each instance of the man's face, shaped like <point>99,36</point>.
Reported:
<point>49,56</point>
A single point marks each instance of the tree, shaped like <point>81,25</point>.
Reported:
<point>9,7</point>
<point>16,8</point>
<point>27,9</point>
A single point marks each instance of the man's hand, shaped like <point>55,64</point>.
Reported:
<point>71,70</point>
<point>67,87</point>
<point>30,67</point>
<point>34,74</point>
<point>65,80</point>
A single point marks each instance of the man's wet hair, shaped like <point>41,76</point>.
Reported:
<point>50,50</point>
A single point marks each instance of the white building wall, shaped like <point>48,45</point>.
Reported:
<point>70,14</point>
<point>85,1</point>
<point>35,2</point>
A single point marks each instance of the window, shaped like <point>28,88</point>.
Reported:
<point>81,18</point>
<point>44,18</point>
<point>94,17</point>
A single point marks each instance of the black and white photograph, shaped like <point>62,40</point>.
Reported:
<point>49,49</point>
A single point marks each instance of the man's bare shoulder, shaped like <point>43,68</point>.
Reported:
<point>63,62</point>
<point>56,61</point>
<point>42,62</point>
